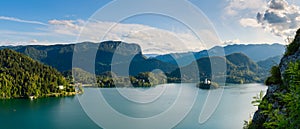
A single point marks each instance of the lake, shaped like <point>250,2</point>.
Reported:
<point>170,105</point>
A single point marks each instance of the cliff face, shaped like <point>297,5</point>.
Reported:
<point>271,98</point>
<point>290,58</point>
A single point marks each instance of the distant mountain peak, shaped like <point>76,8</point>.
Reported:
<point>256,52</point>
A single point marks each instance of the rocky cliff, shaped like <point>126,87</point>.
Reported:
<point>273,103</point>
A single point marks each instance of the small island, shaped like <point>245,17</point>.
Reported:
<point>207,84</point>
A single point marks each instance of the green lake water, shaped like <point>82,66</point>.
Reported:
<point>69,113</point>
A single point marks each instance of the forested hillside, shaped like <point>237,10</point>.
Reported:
<point>60,56</point>
<point>240,69</point>
<point>280,107</point>
<point>22,77</point>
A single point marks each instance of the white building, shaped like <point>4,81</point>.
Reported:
<point>61,87</point>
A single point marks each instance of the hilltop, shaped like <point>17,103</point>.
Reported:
<point>60,56</point>
<point>256,52</point>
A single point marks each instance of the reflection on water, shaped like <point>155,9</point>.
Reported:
<point>52,113</point>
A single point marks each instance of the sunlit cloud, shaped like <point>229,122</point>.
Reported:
<point>237,7</point>
<point>280,18</point>
<point>151,39</point>
<point>249,22</point>
<point>229,42</point>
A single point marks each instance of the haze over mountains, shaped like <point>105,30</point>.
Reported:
<point>60,56</point>
<point>240,59</point>
<point>239,69</point>
<point>257,52</point>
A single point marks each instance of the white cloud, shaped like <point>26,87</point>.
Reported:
<point>22,21</point>
<point>66,27</point>
<point>33,41</point>
<point>151,39</point>
<point>249,22</point>
<point>228,42</point>
<point>235,7</point>
<point>280,18</point>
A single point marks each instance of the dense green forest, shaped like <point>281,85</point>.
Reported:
<point>280,107</point>
<point>239,69</point>
<point>110,79</point>
<point>22,77</point>
<point>286,115</point>
<point>145,79</point>
<point>60,57</point>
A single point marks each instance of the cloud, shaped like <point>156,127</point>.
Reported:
<point>68,23</point>
<point>151,39</point>
<point>28,34</point>
<point>33,41</point>
<point>278,4</point>
<point>66,27</point>
<point>235,7</point>
<point>249,22</point>
<point>22,21</point>
<point>280,18</point>
<point>228,42</point>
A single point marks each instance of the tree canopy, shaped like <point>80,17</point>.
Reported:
<point>22,77</point>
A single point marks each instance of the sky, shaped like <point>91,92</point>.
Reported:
<point>70,21</point>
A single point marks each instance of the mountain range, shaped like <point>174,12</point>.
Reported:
<point>241,60</point>
<point>60,56</point>
<point>257,52</point>
<point>239,69</point>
